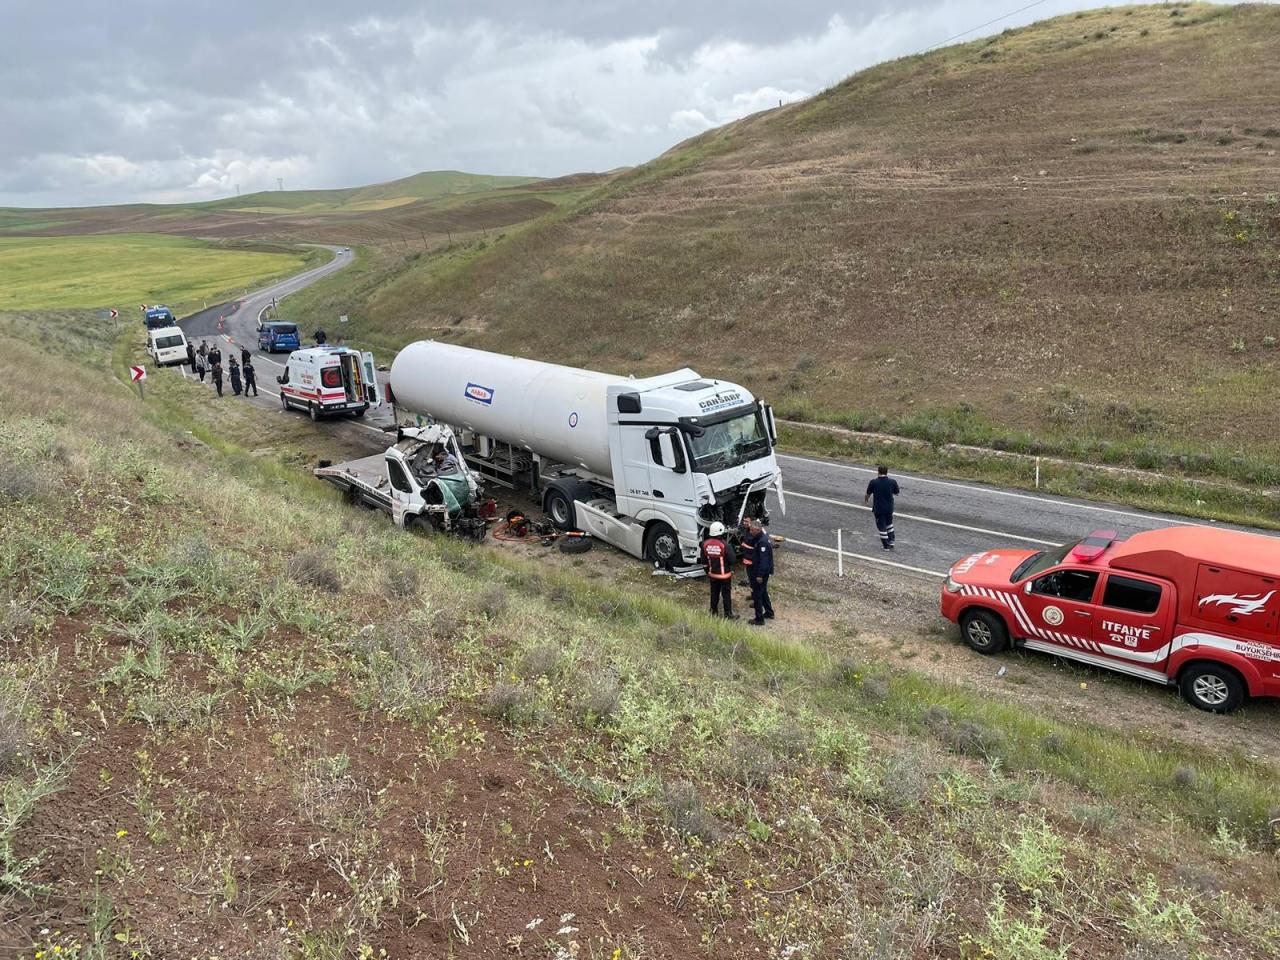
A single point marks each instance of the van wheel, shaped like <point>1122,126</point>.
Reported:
<point>1212,687</point>
<point>560,509</point>
<point>313,412</point>
<point>984,632</point>
<point>284,403</point>
<point>360,412</point>
<point>662,545</point>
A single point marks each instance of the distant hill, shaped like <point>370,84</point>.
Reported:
<point>378,196</point>
<point>1068,231</point>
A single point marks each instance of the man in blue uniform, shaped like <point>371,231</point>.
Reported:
<point>760,570</point>
<point>880,494</point>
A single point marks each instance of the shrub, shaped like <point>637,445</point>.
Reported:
<point>492,601</point>
<point>1034,855</point>
<point>1184,777</point>
<point>15,732</point>
<point>846,672</point>
<point>313,568</point>
<point>749,763</point>
<point>511,703</point>
<point>599,700</point>
<point>20,481</point>
<point>401,581</point>
<point>540,661</point>
<point>684,809</point>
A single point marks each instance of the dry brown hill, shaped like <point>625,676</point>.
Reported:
<point>1067,232</point>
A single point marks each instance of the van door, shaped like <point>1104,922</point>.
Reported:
<point>1133,619</point>
<point>370,379</point>
<point>1059,607</point>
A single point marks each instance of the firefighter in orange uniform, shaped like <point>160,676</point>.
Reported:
<point>718,556</point>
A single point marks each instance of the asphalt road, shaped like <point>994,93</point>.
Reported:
<point>937,521</point>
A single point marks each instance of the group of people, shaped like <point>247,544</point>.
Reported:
<point>756,553</point>
<point>207,361</point>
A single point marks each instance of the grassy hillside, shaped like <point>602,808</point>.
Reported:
<point>123,271</point>
<point>1062,238</point>
<point>240,719</point>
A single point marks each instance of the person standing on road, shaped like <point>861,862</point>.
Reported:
<point>216,371</point>
<point>202,365</point>
<point>191,356</point>
<point>235,376</point>
<point>880,494</point>
<point>761,570</point>
<point>250,376</point>
<point>321,339</point>
<point>215,356</point>
<point>718,557</point>
<point>748,545</point>
<point>244,355</point>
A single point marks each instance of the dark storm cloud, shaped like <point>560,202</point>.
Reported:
<point>163,100</point>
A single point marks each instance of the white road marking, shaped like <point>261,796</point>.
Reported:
<point>911,516</point>
<point>868,559</point>
<point>1003,493</point>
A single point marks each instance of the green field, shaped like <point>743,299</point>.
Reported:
<point>122,271</point>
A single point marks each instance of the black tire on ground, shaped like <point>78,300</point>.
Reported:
<point>1214,687</point>
<point>662,545</point>
<point>984,631</point>
<point>575,544</point>
<point>313,411</point>
<point>419,524</point>
<point>560,509</point>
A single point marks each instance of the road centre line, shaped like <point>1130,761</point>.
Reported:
<point>1004,493</point>
<point>911,516</point>
<point>868,559</point>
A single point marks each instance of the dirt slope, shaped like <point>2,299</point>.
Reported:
<point>1069,229</point>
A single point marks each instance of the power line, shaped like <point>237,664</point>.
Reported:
<point>1003,16</point>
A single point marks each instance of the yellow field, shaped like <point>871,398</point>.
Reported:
<point>125,270</point>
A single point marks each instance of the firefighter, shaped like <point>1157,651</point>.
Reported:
<point>718,557</point>
<point>880,494</point>
<point>748,545</point>
<point>760,570</point>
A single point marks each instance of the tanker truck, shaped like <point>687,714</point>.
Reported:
<point>643,464</point>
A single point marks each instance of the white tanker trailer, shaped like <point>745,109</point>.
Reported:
<point>645,465</point>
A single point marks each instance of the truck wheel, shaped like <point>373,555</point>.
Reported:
<point>561,509</point>
<point>662,545</point>
<point>579,544</point>
<point>1212,687</point>
<point>984,631</point>
<point>313,412</point>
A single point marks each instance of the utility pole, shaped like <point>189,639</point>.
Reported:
<point>280,183</point>
<point>237,189</point>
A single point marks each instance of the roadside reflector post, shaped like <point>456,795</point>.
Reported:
<point>1037,473</point>
<point>839,552</point>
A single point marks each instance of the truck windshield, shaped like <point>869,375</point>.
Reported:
<point>1039,562</point>
<point>729,443</point>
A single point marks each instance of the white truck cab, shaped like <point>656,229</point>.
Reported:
<point>328,380</point>
<point>167,346</point>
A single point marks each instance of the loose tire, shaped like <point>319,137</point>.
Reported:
<point>313,411</point>
<point>984,632</point>
<point>1212,687</point>
<point>662,545</point>
<point>575,544</point>
<point>560,509</point>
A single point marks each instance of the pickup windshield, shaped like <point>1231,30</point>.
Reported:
<point>1039,562</point>
<point>729,443</point>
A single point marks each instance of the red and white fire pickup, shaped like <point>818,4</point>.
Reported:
<point>1194,606</point>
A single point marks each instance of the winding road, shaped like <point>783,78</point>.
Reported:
<point>938,521</point>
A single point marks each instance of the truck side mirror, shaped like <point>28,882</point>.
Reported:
<point>770,425</point>
<point>667,448</point>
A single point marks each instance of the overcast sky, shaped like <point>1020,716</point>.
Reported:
<point>175,100</point>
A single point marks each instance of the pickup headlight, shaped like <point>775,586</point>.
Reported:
<point>950,585</point>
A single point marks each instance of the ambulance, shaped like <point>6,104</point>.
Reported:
<point>1195,607</point>
<point>328,380</point>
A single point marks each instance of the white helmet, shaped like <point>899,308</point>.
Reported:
<point>716,529</point>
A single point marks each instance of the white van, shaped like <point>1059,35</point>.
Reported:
<point>167,346</point>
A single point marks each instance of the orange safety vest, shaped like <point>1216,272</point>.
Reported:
<point>717,563</point>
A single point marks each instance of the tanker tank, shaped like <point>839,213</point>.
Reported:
<point>557,412</point>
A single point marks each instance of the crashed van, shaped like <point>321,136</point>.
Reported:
<point>1195,607</point>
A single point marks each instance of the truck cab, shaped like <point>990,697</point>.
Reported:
<point>325,381</point>
<point>1188,606</point>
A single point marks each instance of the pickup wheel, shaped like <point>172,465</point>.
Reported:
<point>560,509</point>
<point>662,545</point>
<point>984,632</point>
<point>1212,686</point>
